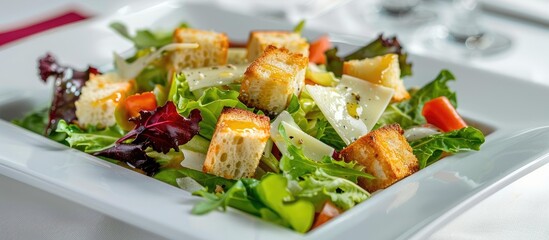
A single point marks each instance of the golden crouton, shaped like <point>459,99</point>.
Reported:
<point>260,40</point>
<point>272,79</point>
<point>237,144</point>
<point>383,70</point>
<point>99,98</point>
<point>212,49</point>
<point>385,154</point>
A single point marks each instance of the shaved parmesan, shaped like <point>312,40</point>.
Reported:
<point>312,147</point>
<point>371,98</point>
<point>193,160</point>
<point>199,78</point>
<point>334,107</point>
<point>131,70</point>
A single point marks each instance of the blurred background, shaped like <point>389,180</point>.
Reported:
<point>502,36</point>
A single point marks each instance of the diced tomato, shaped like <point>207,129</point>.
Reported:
<point>329,211</point>
<point>140,102</point>
<point>440,112</point>
<point>317,49</point>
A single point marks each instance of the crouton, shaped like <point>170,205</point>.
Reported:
<point>237,144</point>
<point>385,154</point>
<point>260,40</point>
<point>212,49</point>
<point>99,98</point>
<point>272,79</point>
<point>383,70</point>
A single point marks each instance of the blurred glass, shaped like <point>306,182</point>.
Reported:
<point>397,15</point>
<point>461,32</point>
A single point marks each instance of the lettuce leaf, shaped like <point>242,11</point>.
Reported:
<point>145,38</point>
<point>68,83</point>
<point>180,92</point>
<point>89,140</point>
<point>273,191</point>
<point>210,103</point>
<point>243,196</point>
<point>333,62</point>
<point>291,198</point>
<point>35,122</point>
<point>408,113</point>
<point>296,164</point>
<point>221,201</point>
<point>299,27</point>
<point>162,130</point>
<point>150,77</point>
<point>429,149</point>
<point>320,186</point>
<point>134,155</point>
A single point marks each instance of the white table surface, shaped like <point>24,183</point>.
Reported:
<point>519,211</point>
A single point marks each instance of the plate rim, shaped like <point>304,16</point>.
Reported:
<point>92,21</point>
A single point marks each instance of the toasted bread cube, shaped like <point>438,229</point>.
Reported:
<point>99,98</point>
<point>260,40</point>
<point>383,70</point>
<point>212,49</point>
<point>237,144</point>
<point>272,79</point>
<point>385,154</point>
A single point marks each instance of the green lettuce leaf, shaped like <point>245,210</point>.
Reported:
<point>408,113</point>
<point>89,140</point>
<point>320,186</point>
<point>274,199</point>
<point>429,149</point>
<point>169,159</point>
<point>35,122</point>
<point>150,77</point>
<point>243,196</point>
<point>299,27</point>
<point>333,62</point>
<point>210,103</point>
<point>273,192</point>
<point>327,134</point>
<point>180,92</point>
<point>221,201</point>
<point>296,164</point>
<point>145,38</point>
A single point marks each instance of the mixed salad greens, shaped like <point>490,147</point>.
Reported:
<point>168,114</point>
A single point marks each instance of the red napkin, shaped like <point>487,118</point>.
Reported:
<point>56,21</point>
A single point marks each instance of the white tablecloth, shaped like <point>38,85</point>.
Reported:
<point>519,211</point>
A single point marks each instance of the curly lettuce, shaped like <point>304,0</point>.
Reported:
<point>430,149</point>
<point>210,103</point>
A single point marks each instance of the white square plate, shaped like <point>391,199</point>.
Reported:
<point>513,111</point>
<point>535,10</point>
